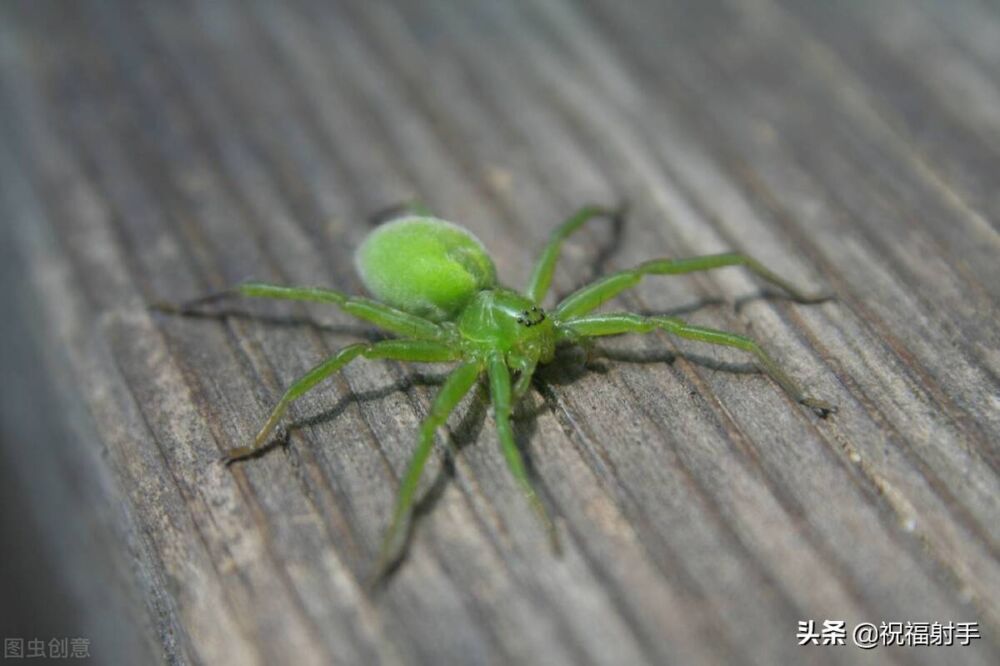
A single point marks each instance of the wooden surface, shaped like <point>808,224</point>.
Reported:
<point>161,150</point>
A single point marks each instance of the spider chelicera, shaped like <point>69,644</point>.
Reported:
<point>436,289</point>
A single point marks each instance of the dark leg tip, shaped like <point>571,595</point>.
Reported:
<point>234,455</point>
<point>192,307</point>
<point>815,299</point>
<point>165,307</point>
<point>820,408</point>
<point>619,211</point>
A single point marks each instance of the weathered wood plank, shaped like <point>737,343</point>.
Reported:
<point>162,150</point>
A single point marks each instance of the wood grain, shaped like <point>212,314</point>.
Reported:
<point>159,151</point>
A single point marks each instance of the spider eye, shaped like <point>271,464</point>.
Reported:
<point>531,317</point>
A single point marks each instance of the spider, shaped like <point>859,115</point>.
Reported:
<point>436,289</point>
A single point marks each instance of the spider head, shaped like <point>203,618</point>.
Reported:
<point>503,320</point>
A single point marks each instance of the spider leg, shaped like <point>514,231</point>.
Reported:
<point>401,350</point>
<point>455,387</point>
<point>591,296</point>
<point>625,322</point>
<point>383,316</point>
<point>541,276</point>
<point>526,368</point>
<point>501,394</point>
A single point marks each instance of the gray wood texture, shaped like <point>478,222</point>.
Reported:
<point>161,150</point>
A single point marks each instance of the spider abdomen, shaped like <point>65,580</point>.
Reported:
<point>424,266</point>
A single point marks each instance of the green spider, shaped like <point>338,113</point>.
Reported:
<point>437,290</point>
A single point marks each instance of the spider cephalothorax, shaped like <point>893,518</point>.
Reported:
<point>436,289</point>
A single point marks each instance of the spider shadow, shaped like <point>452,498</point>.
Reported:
<point>770,295</point>
<point>282,437</point>
<point>605,247</point>
<point>270,320</point>
<point>466,432</point>
<point>524,423</point>
<point>575,360</point>
<point>569,369</point>
<point>407,207</point>
<point>570,364</point>
<point>563,370</point>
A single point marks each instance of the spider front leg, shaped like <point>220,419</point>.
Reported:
<point>455,387</point>
<point>593,295</point>
<point>625,322</point>
<point>500,391</point>
<point>541,276</point>
<point>400,350</point>
<point>382,315</point>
